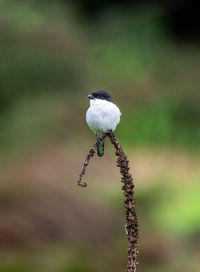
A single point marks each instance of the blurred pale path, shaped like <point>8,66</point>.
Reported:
<point>52,56</point>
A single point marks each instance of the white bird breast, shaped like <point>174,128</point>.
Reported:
<point>102,115</point>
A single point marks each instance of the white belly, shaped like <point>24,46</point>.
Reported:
<point>102,116</point>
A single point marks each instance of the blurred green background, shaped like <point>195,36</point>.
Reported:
<point>52,55</point>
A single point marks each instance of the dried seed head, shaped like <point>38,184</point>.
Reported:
<point>129,203</point>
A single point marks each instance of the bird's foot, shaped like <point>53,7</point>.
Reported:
<point>109,132</point>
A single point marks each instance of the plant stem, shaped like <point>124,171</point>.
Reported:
<point>131,225</point>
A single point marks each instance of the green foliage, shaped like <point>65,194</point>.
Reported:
<point>146,125</point>
<point>49,63</point>
<point>180,214</point>
<point>153,80</point>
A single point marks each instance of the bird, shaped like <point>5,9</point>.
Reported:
<point>102,116</point>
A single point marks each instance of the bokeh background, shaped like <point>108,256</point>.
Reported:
<point>52,55</point>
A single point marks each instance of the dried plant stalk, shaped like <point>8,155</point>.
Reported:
<point>86,162</point>
<point>131,225</point>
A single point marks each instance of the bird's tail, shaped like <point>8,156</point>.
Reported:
<point>100,148</point>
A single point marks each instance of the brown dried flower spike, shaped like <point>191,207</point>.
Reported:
<point>131,225</point>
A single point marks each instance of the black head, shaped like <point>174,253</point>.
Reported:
<point>100,94</point>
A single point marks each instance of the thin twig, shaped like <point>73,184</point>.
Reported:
<point>131,225</point>
<point>88,157</point>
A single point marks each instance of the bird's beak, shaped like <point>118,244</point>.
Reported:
<point>90,96</point>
